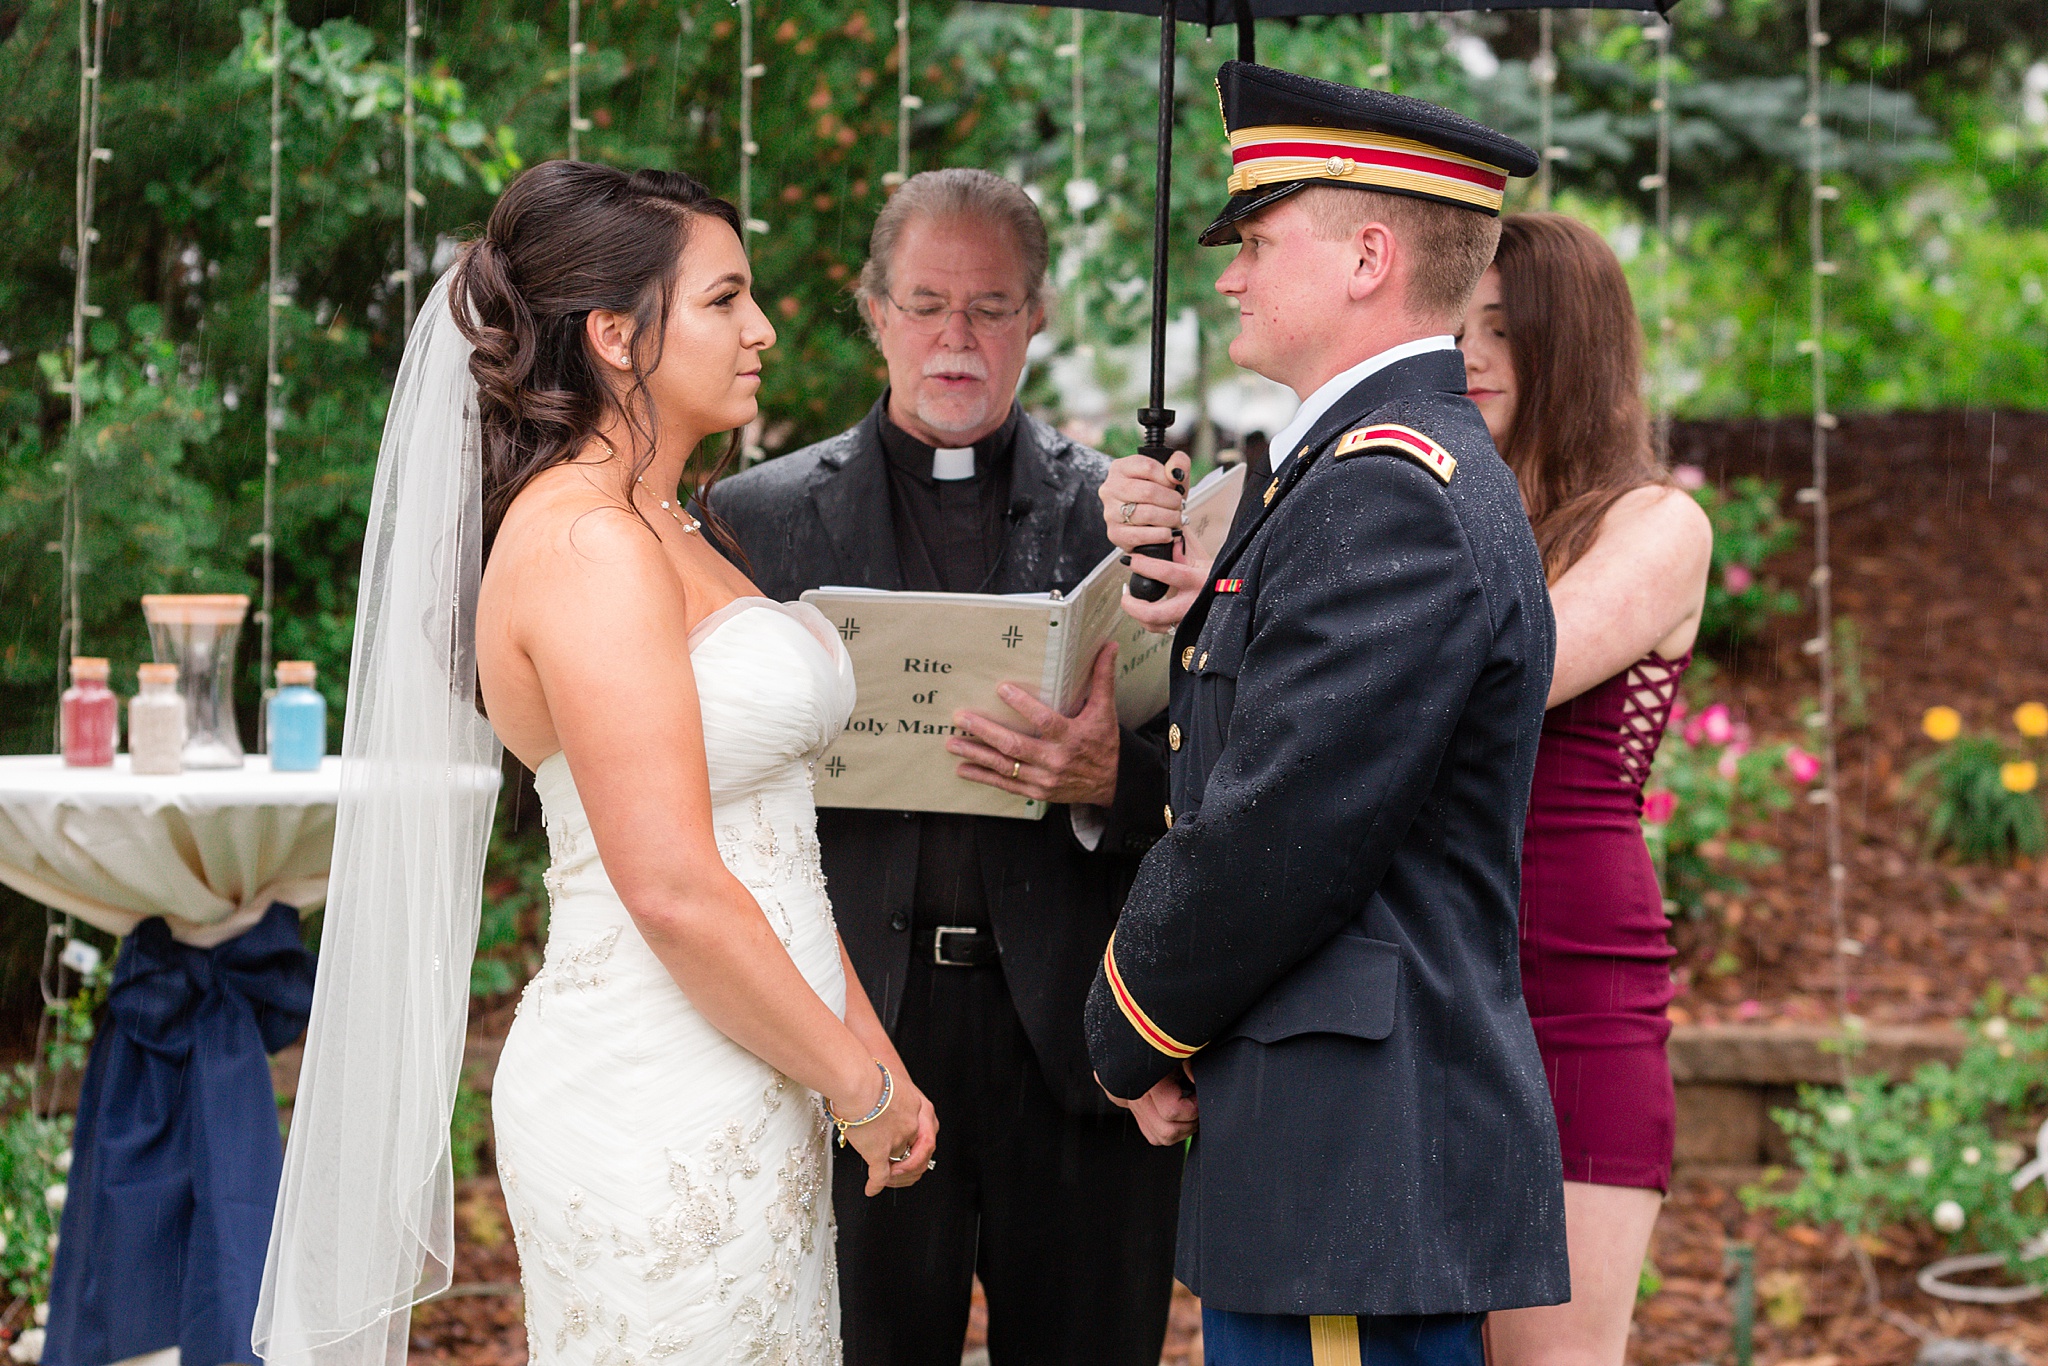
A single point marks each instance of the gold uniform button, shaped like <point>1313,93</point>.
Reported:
<point>1169,816</point>
<point>1203,662</point>
<point>1173,737</point>
<point>1187,659</point>
<point>1272,489</point>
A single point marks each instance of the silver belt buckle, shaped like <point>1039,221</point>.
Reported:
<point>939,945</point>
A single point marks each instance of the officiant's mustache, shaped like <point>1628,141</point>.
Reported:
<point>961,364</point>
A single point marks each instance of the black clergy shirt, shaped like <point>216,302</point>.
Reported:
<point>950,535</point>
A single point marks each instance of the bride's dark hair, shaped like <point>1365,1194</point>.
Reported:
<point>567,237</point>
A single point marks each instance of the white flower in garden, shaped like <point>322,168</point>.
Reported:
<point>1949,1217</point>
<point>53,1196</point>
<point>3,1244</point>
<point>1920,1165</point>
<point>1996,1027</point>
<point>42,1312</point>
<point>1841,1116</point>
<point>28,1348</point>
<point>63,1162</point>
<point>1972,1156</point>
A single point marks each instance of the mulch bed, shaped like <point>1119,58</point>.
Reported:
<point>1941,558</point>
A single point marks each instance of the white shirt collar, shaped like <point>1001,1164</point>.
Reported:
<point>1318,403</point>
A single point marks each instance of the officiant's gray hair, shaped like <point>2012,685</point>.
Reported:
<point>955,192</point>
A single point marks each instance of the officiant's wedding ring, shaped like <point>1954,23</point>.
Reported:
<point>882,1105</point>
<point>1127,512</point>
<point>1016,767</point>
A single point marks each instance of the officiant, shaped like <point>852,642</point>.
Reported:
<point>977,937</point>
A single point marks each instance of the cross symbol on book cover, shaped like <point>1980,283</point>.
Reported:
<point>835,766</point>
<point>849,629</point>
<point>1013,637</point>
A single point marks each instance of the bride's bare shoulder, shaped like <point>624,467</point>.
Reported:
<point>568,521</point>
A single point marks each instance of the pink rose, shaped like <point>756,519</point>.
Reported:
<point>1658,805</point>
<point>1737,579</point>
<point>1729,758</point>
<point>1679,711</point>
<point>1748,1010</point>
<point>1717,725</point>
<point>1804,767</point>
<point>1688,477</point>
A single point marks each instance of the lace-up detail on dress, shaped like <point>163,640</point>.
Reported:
<point>1647,693</point>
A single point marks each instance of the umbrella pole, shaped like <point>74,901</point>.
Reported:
<point>1156,417</point>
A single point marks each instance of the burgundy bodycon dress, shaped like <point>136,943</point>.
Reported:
<point>1596,946</point>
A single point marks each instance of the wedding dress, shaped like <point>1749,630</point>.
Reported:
<point>670,1192</point>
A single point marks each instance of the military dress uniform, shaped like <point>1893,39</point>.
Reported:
<point>1325,938</point>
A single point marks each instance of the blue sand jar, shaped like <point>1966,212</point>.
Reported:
<point>298,720</point>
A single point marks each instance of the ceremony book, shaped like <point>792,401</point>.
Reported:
<point>920,657</point>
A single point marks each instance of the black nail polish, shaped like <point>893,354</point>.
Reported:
<point>1123,559</point>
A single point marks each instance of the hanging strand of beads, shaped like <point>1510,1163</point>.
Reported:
<point>409,263</point>
<point>92,47</point>
<point>751,451</point>
<point>1080,194</point>
<point>1544,70</point>
<point>576,121</point>
<point>273,380</point>
<point>906,103</point>
<point>1383,69</point>
<point>1660,181</point>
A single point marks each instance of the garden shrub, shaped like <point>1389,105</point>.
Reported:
<point>1706,781</point>
<point>1749,528</point>
<point>1956,1148</point>
<point>1980,797</point>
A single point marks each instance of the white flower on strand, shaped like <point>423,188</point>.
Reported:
<point>1841,1116</point>
<point>28,1348</point>
<point>1949,1217</point>
<point>1920,1165</point>
<point>63,1162</point>
<point>1996,1027</point>
<point>54,1196</point>
<point>2008,1156</point>
<point>1972,1156</point>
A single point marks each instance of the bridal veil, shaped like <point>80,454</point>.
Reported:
<point>365,1214</point>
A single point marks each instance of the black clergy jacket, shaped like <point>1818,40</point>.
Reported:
<point>1327,933</point>
<point>821,515</point>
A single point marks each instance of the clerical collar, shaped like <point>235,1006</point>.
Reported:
<point>947,464</point>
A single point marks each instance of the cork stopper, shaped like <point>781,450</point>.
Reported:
<point>194,609</point>
<point>295,673</point>
<point>156,675</point>
<point>89,669</point>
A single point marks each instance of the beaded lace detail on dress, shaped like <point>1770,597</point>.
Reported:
<point>1648,691</point>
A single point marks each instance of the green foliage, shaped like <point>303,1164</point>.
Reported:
<point>515,908</point>
<point>1874,1154</point>
<point>1749,528</point>
<point>1708,782</point>
<point>1974,807</point>
<point>469,1131</point>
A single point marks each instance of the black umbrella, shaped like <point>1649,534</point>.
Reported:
<point>1155,417</point>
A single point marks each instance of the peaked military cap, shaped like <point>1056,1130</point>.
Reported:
<point>1287,131</point>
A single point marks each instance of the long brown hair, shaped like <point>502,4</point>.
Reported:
<point>1581,438</point>
<point>565,238</point>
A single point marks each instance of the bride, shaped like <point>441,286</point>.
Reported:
<point>664,1100</point>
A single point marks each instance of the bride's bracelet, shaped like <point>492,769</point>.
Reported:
<point>888,1093</point>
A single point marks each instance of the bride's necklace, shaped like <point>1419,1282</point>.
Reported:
<point>688,524</point>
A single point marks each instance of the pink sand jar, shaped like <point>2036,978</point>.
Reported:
<point>90,715</point>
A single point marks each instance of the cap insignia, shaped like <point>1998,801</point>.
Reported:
<point>1393,437</point>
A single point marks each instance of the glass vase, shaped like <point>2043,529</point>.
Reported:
<point>198,632</point>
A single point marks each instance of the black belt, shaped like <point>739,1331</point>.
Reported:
<point>963,946</point>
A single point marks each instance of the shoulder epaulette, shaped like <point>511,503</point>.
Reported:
<point>1399,440</point>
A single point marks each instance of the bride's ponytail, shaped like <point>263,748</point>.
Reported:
<point>568,237</point>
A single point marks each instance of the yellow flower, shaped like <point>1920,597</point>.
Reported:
<point>2018,777</point>
<point>1942,723</point>
<point>2032,720</point>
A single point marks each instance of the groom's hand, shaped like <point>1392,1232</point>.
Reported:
<point>1167,1113</point>
<point>1071,762</point>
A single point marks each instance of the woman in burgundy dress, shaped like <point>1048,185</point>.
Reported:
<point>1553,360</point>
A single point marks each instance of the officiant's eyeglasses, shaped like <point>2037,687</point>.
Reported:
<point>929,317</point>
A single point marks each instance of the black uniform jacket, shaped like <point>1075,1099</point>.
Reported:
<point>1327,933</point>
<point>821,515</point>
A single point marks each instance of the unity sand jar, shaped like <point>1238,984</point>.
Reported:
<point>197,632</point>
<point>156,721</point>
<point>89,715</point>
<point>298,720</point>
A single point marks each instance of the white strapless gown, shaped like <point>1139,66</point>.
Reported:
<point>669,1191</point>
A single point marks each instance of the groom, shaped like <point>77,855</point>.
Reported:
<point>1325,939</point>
<point>977,937</point>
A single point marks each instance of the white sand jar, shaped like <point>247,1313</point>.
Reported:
<point>156,721</point>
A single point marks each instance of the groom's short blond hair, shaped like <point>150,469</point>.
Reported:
<point>1451,247</point>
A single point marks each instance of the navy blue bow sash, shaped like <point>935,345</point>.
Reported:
<point>176,1153</point>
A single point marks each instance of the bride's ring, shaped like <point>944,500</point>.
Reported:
<point>1016,767</point>
<point>932,1165</point>
<point>1128,510</point>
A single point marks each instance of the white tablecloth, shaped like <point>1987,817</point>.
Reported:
<point>208,850</point>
